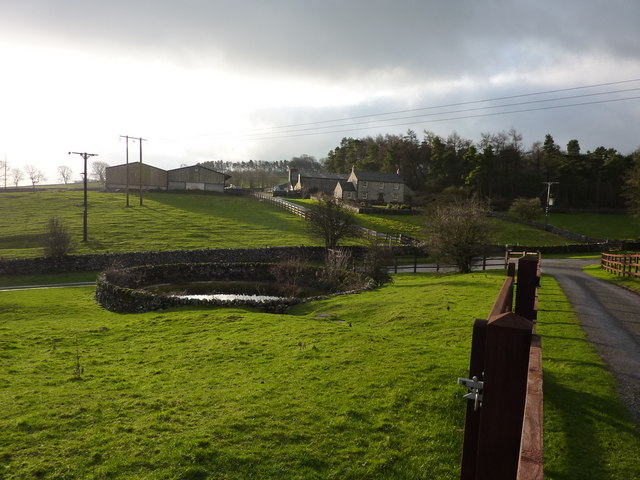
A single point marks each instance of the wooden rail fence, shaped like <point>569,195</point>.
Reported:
<point>303,212</point>
<point>503,425</point>
<point>625,264</point>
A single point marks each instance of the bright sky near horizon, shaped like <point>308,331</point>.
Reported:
<point>269,80</point>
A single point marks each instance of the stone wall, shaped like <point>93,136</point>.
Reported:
<point>101,261</point>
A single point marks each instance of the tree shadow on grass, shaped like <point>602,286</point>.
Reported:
<point>574,421</point>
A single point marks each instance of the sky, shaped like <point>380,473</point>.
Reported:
<point>272,79</point>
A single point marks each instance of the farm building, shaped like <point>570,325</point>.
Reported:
<point>152,178</point>
<point>318,182</point>
<point>377,186</point>
<point>345,190</point>
<point>196,177</point>
<point>359,185</point>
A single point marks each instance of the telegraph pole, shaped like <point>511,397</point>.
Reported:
<point>127,173</point>
<point>548,204</point>
<point>84,223</point>
<point>140,139</point>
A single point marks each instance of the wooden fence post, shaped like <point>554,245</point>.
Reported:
<point>526,287</point>
<point>472,419</point>
<point>505,387</point>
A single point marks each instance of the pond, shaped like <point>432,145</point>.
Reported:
<point>154,287</point>
<point>231,290</point>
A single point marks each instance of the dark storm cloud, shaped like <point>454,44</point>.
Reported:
<point>337,38</point>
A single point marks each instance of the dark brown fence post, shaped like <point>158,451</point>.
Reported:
<point>526,287</point>
<point>472,419</point>
<point>505,387</point>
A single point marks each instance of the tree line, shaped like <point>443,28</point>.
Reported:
<point>13,175</point>
<point>262,173</point>
<point>497,167</point>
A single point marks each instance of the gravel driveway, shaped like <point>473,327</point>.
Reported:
<point>610,316</point>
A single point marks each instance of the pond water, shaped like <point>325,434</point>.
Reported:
<point>229,291</point>
<point>229,297</point>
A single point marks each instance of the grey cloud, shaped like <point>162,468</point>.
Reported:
<point>431,39</point>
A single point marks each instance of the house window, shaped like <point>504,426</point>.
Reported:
<point>364,184</point>
<point>395,196</point>
<point>396,186</point>
<point>348,194</point>
<point>381,185</point>
<point>364,195</point>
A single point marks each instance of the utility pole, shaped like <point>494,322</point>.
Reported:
<point>140,139</point>
<point>84,223</point>
<point>5,171</point>
<point>127,162</point>
<point>548,204</point>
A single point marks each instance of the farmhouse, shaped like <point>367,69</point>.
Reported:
<point>359,185</point>
<point>147,177</point>
<point>376,186</point>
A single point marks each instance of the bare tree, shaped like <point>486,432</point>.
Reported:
<point>99,171</point>
<point>35,175</point>
<point>17,176</point>
<point>458,232</point>
<point>64,173</point>
<point>331,223</point>
<point>4,167</point>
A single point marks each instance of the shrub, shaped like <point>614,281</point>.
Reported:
<point>57,241</point>
<point>526,208</point>
<point>458,232</point>
<point>377,258</point>
<point>292,275</point>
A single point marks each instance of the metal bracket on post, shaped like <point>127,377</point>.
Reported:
<point>474,386</point>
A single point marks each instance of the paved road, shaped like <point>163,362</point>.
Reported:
<point>52,285</point>
<point>610,316</point>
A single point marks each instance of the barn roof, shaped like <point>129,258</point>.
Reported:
<point>190,167</point>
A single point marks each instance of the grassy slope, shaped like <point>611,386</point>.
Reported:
<point>369,392</point>
<point>164,222</point>
<point>413,225</point>
<point>598,225</point>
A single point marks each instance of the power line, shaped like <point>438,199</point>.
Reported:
<point>530,102</point>
<point>273,130</point>
<point>279,135</point>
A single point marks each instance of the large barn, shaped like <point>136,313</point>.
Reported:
<point>195,177</point>
<point>152,178</point>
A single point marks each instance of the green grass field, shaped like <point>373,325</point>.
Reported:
<point>169,221</point>
<point>164,222</point>
<point>619,227</point>
<point>365,390</point>
<point>504,232</point>
<point>630,283</point>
